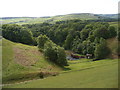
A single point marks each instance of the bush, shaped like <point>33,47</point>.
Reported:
<point>61,56</point>
<point>42,39</point>
<point>55,53</point>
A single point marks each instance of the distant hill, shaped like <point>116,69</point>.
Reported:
<point>108,15</point>
<point>52,19</point>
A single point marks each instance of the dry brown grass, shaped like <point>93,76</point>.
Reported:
<point>26,56</point>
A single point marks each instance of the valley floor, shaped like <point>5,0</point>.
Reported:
<point>80,74</point>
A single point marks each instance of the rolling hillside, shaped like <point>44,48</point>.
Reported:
<point>32,20</point>
<point>22,62</point>
<point>97,74</point>
<point>109,15</point>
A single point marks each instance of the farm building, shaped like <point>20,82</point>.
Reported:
<point>88,56</point>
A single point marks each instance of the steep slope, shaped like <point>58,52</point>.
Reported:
<point>22,62</point>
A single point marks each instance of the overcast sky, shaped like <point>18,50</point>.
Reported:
<point>38,8</point>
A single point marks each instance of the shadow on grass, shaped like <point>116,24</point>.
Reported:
<point>66,69</point>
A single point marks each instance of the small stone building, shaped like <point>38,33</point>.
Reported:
<point>88,56</point>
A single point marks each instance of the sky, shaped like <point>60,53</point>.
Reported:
<point>40,8</point>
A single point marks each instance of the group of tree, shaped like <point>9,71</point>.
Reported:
<point>79,36</point>
<point>52,51</point>
<point>17,33</point>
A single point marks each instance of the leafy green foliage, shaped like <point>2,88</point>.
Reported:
<point>52,51</point>
<point>102,32</point>
<point>84,34</point>
<point>112,32</point>
<point>55,53</point>
<point>101,50</point>
<point>79,36</point>
<point>42,39</point>
<point>68,42</point>
<point>17,33</point>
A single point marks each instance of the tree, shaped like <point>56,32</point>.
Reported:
<point>77,45</point>
<point>91,38</point>
<point>26,37</point>
<point>112,31</point>
<point>17,33</point>
<point>84,49</point>
<point>102,32</point>
<point>68,42</point>
<point>42,39</point>
<point>101,50</point>
<point>61,56</point>
<point>55,53</point>
<point>88,47</point>
<point>50,51</point>
<point>97,40</point>
<point>84,34</point>
<point>12,32</point>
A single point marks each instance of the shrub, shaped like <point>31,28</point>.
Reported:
<point>101,50</point>
<point>55,53</point>
<point>42,39</point>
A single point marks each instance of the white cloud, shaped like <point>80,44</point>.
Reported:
<point>56,7</point>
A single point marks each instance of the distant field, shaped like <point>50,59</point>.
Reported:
<point>80,74</point>
<point>23,20</point>
<point>53,19</point>
<point>115,24</point>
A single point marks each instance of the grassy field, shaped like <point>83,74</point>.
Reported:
<point>53,19</point>
<point>23,62</point>
<point>115,24</point>
<point>23,20</point>
<point>80,74</point>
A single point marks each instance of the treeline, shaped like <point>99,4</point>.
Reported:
<point>17,33</point>
<point>82,37</point>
